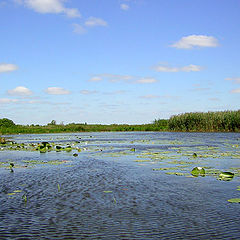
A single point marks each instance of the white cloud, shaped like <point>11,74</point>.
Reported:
<point>50,6</point>
<point>77,28</point>
<point>124,7</point>
<point>57,91</point>
<point>189,68</point>
<point>6,67</point>
<point>20,91</point>
<point>237,90</point>
<point>122,78</point>
<point>114,92</point>
<point>7,100</point>
<point>92,22</point>
<point>192,41</point>
<point>235,80</point>
<point>111,77</point>
<point>87,92</point>
<point>146,80</point>
<point>150,96</point>
<point>95,79</point>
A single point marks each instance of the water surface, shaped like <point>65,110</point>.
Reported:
<point>116,187</point>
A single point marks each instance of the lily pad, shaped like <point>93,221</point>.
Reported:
<point>225,176</point>
<point>198,171</point>
<point>234,200</point>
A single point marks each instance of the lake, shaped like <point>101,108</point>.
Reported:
<point>126,185</point>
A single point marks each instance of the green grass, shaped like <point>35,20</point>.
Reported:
<point>226,121</point>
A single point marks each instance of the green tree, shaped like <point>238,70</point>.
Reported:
<point>5,122</point>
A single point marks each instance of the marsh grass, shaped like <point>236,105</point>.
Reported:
<point>226,121</point>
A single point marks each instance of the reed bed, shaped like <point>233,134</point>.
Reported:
<point>225,121</point>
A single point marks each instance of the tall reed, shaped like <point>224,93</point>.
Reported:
<point>225,121</point>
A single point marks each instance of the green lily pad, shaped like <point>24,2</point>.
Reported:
<point>198,171</point>
<point>225,176</point>
<point>234,200</point>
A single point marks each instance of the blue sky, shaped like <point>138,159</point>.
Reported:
<point>117,61</point>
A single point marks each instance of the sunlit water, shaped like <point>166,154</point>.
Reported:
<point>110,191</point>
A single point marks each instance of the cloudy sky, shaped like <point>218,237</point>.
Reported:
<point>117,61</point>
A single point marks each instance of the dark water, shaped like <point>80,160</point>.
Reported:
<point>103,193</point>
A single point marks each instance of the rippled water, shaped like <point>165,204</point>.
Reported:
<point>110,191</point>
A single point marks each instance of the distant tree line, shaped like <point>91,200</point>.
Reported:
<point>225,121</point>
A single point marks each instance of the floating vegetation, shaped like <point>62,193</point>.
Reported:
<point>194,155</point>
<point>24,197</point>
<point>165,168</point>
<point>144,160</point>
<point>181,162</point>
<point>234,200</point>
<point>226,176</point>
<point>107,191</point>
<point>198,171</point>
<point>176,173</point>
<point>11,166</point>
<point>10,194</point>
<point>58,187</point>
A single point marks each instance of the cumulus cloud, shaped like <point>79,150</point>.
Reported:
<point>20,91</point>
<point>7,100</point>
<point>93,22</point>
<point>124,7</point>
<point>146,80</point>
<point>6,67</point>
<point>237,90</point>
<point>192,41</point>
<point>57,91</point>
<point>95,79</point>
<point>87,92</point>
<point>122,78</point>
<point>50,6</point>
<point>235,80</point>
<point>189,68</point>
<point>111,77</point>
<point>77,28</point>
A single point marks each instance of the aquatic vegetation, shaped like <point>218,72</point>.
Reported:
<point>198,171</point>
<point>165,168</point>
<point>68,149</point>
<point>144,160</point>
<point>210,121</point>
<point>176,173</point>
<point>58,187</point>
<point>10,194</point>
<point>226,176</point>
<point>107,191</point>
<point>24,197</point>
<point>234,200</point>
<point>11,166</point>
